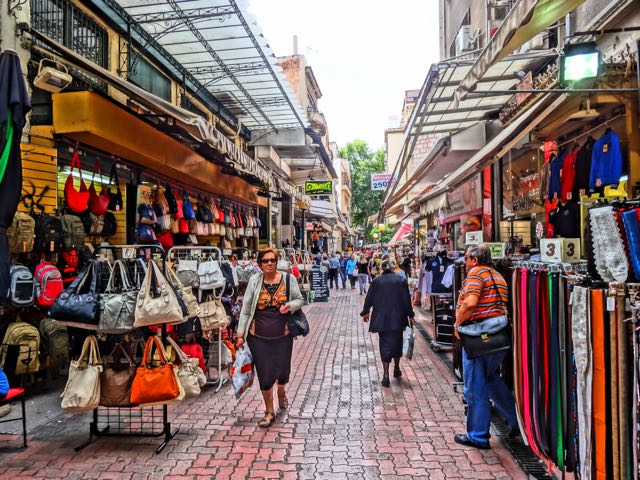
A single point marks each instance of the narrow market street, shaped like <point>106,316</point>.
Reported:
<point>341,423</point>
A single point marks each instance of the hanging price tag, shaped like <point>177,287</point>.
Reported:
<point>611,304</point>
<point>128,253</point>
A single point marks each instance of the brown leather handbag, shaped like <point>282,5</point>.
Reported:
<point>154,384</point>
<point>116,380</point>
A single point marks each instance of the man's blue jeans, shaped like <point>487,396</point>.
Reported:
<point>482,383</point>
<point>343,277</point>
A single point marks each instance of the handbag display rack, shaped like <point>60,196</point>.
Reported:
<point>150,421</point>
<point>198,253</point>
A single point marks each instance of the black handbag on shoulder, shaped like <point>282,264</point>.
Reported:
<point>486,343</point>
<point>297,322</point>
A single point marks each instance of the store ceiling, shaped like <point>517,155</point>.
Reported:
<point>222,46</point>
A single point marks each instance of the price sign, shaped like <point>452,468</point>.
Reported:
<point>497,249</point>
<point>227,252</point>
<point>560,250</point>
<point>381,181</point>
<point>474,238</point>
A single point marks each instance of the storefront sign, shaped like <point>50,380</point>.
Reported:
<point>381,181</point>
<point>474,238</point>
<point>560,250</point>
<point>466,198</point>
<point>309,227</point>
<point>497,249</point>
<point>318,188</point>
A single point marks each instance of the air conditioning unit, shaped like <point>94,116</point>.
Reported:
<point>466,39</point>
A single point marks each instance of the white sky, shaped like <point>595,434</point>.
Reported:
<point>364,54</point>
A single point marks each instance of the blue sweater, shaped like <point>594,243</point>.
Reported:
<point>4,384</point>
<point>606,161</point>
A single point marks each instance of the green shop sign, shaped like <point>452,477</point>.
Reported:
<point>318,188</point>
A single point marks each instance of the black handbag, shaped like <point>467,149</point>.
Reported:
<point>115,198</point>
<point>171,200</point>
<point>297,322</point>
<point>486,343</point>
<point>78,303</point>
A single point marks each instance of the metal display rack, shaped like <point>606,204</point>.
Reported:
<point>150,421</point>
<point>197,253</point>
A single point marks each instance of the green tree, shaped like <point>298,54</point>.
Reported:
<point>364,162</point>
<point>383,237</point>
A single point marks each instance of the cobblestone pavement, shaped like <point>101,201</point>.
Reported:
<point>341,423</point>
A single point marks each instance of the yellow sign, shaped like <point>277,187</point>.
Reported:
<point>318,188</point>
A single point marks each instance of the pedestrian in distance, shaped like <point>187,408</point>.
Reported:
<point>334,269</point>
<point>352,271</point>
<point>343,270</point>
<point>263,322</point>
<point>363,274</point>
<point>388,297</point>
<point>483,299</point>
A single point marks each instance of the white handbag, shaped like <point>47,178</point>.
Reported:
<point>187,295</point>
<point>164,308</point>
<point>82,391</point>
<point>210,275</point>
<point>188,373</point>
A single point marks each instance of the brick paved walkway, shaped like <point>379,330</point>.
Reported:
<point>341,424</point>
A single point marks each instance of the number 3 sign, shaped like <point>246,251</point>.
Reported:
<point>560,250</point>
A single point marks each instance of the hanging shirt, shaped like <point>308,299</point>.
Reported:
<point>438,267</point>
<point>583,169</point>
<point>566,220</point>
<point>555,188</point>
<point>606,161</point>
<point>568,174</point>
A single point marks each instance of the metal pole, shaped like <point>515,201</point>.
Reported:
<point>304,230</point>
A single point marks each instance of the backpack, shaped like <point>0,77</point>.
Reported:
<point>48,234</point>
<point>73,232</point>
<point>27,336</point>
<point>97,224</point>
<point>22,290</point>
<point>21,233</point>
<point>110,225</point>
<point>49,284</point>
<point>55,340</point>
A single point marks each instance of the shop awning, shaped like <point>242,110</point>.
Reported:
<point>222,47</point>
<point>403,231</point>
<point>433,204</point>
<point>437,110</point>
<point>322,209</point>
<point>508,137</point>
<point>524,21</point>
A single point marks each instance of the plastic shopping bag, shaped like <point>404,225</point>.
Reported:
<point>242,372</point>
<point>407,344</point>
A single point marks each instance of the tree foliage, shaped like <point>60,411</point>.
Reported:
<point>364,162</point>
<point>383,237</point>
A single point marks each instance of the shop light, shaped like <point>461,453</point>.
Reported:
<point>579,62</point>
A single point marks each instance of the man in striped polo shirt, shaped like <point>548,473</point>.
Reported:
<point>483,297</point>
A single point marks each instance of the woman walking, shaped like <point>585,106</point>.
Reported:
<point>352,271</point>
<point>389,298</point>
<point>363,274</point>
<point>263,322</point>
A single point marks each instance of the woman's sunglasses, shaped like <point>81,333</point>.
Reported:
<point>268,260</point>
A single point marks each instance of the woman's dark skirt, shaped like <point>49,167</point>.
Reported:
<point>390,345</point>
<point>272,359</point>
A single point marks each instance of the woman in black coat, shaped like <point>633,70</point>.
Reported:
<point>389,297</point>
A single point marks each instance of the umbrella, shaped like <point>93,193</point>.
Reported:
<point>14,106</point>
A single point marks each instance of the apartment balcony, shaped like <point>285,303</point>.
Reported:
<point>317,120</point>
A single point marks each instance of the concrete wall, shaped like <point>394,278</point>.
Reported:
<point>293,68</point>
<point>452,14</point>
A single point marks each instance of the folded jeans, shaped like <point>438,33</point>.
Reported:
<point>489,325</point>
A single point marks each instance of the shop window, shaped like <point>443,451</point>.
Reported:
<point>521,184</point>
<point>150,78</point>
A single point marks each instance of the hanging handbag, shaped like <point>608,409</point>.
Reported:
<point>152,385</point>
<point>77,200</point>
<point>308,265</point>
<point>115,198</point>
<point>98,204</point>
<point>213,314</point>
<point>175,225</point>
<point>186,293</point>
<point>165,239</point>
<point>187,207</point>
<point>82,390</point>
<point>210,275</point>
<point>157,302</point>
<point>172,203</point>
<point>297,322</point>
<point>179,215</point>
<point>187,272</point>
<point>116,380</point>
<point>117,307</point>
<point>188,373</point>
<point>486,342</point>
<point>283,264</point>
<point>78,303</point>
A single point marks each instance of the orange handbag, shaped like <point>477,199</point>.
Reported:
<point>154,384</point>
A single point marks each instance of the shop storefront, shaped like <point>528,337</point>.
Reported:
<point>462,215</point>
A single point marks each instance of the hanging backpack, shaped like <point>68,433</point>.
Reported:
<point>21,233</point>
<point>49,284</point>
<point>73,232</point>
<point>55,341</point>
<point>28,337</point>
<point>48,234</point>
<point>110,225</point>
<point>22,286</point>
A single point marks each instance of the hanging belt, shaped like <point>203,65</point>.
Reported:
<point>599,385</point>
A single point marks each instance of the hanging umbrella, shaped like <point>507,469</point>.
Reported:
<point>14,106</point>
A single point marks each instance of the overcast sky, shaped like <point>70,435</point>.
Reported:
<point>364,54</point>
